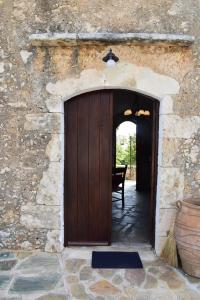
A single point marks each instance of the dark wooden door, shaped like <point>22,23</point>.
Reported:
<point>88,169</point>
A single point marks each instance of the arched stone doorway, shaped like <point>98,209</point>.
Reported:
<point>89,127</point>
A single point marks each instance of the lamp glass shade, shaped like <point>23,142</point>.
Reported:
<point>111,63</point>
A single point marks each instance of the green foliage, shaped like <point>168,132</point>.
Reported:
<point>126,150</point>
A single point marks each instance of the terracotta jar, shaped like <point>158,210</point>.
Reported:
<point>187,235</point>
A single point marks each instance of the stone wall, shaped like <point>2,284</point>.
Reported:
<point>35,81</point>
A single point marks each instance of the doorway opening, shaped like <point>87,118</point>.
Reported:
<point>92,156</point>
<point>126,148</point>
<point>135,127</point>
<point>124,219</point>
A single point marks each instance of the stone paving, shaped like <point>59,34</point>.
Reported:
<point>68,275</point>
<point>131,224</point>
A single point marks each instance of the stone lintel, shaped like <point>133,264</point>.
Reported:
<point>67,39</point>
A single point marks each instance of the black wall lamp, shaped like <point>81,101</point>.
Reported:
<point>110,59</point>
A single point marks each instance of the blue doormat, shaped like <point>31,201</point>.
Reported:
<point>116,260</point>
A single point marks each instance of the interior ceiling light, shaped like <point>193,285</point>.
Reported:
<point>128,112</point>
<point>147,113</point>
<point>110,59</point>
<point>142,112</point>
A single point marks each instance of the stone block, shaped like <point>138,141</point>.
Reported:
<point>54,104</point>
<point>151,282</point>
<point>86,273</point>
<point>54,149</point>
<point>4,281</point>
<point>42,262</point>
<point>174,126</point>
<point>40,216</point>
<point>53,243</point>
<point>135,277</point>
<point>78,291</point>
<point>53,296</point>
<point>7,261</point>
<point>166,219</point>
<point>166,105</point>
<point>73,265</point>
<point>44,122</point>
<point>50,188</point>
<point>104,287</point>
<point>171,186</point>
<point>172,279</point>
<point>7,264</point>
<point>169,153</point>
<point>27,285</point>
<point>6,255</point>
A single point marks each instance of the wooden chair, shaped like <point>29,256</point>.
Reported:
<point>118,179</point>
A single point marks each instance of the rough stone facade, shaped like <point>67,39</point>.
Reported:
<point>35,82</point>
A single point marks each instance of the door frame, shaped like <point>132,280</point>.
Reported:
<point>155,188</point>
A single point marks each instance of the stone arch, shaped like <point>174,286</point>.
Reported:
<point>112,87</point>
<point>137,79</point>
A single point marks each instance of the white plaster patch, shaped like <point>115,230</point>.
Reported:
<point>54,148</point>
<point>53,243</point>
<point>156,84</point>
<point>54,104</point>
<point>166,105</point>
<point>25,55</point>
<point>124,74</point>
<point>121,74</point>
<point>50,187</point>
<point>1,67</point>
<point>88,79</point>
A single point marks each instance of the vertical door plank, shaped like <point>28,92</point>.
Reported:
<point>83,161</point>
<point>71,203</point>
<point>95,219</point>
<point>106,162</point>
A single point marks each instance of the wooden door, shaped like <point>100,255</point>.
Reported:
<point>88,169</point>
